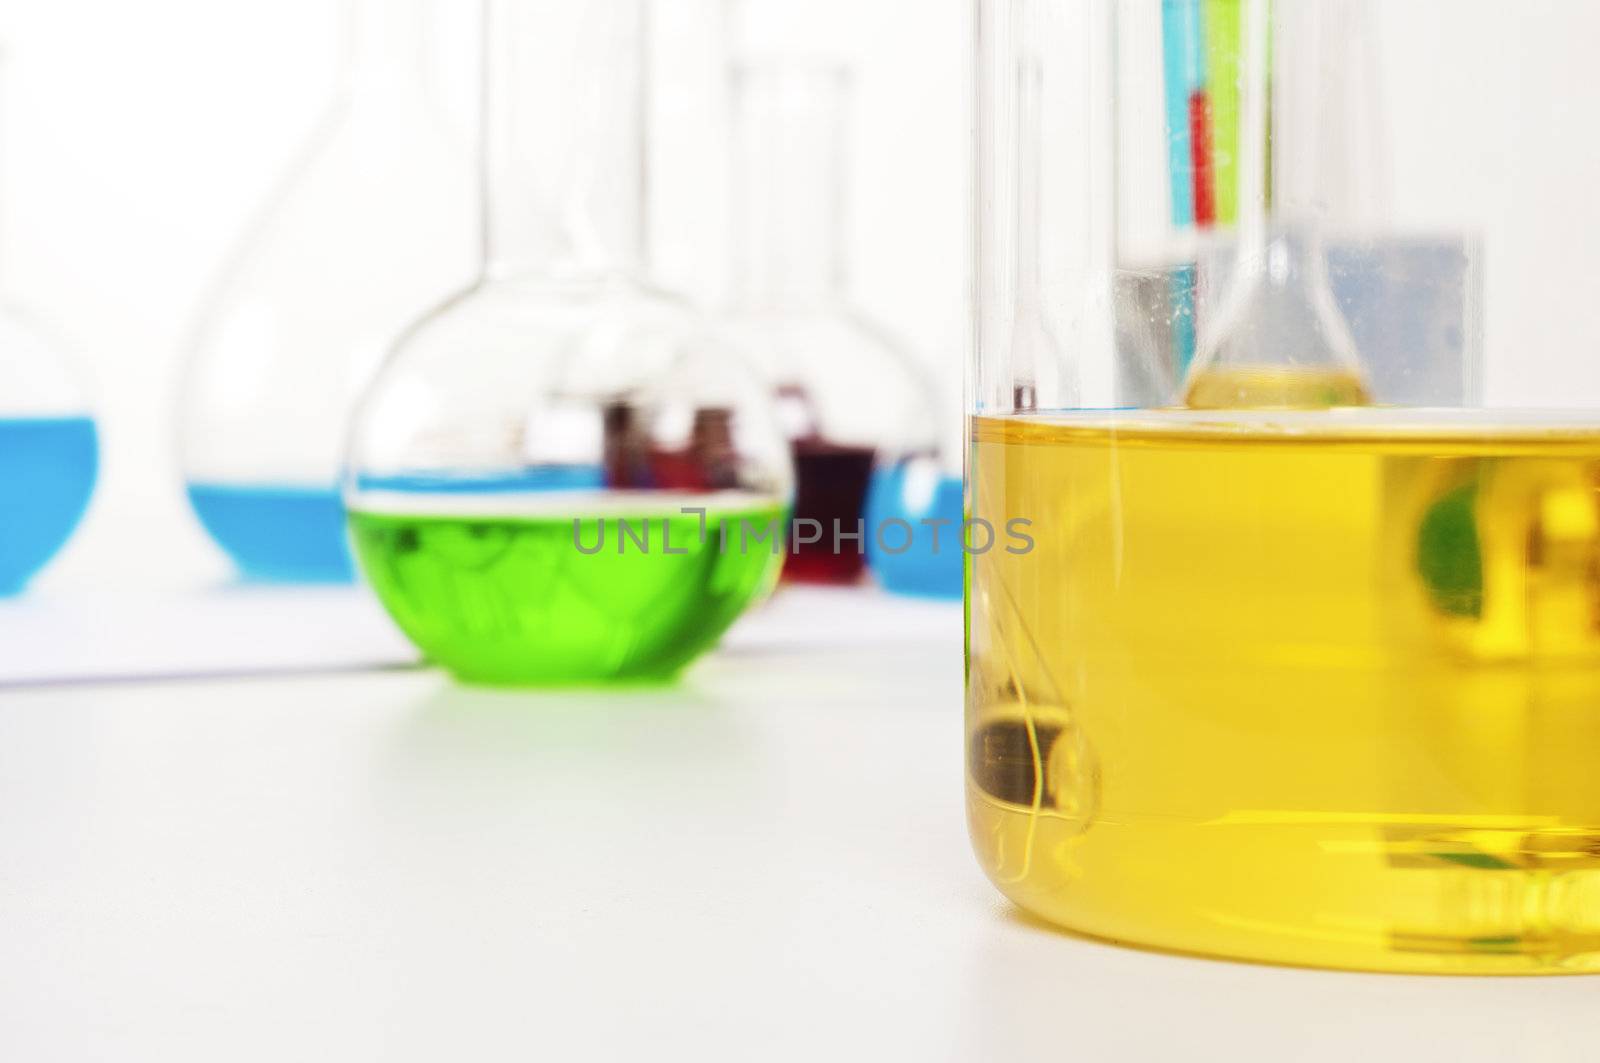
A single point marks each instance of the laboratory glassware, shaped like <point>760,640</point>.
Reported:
<point>49,450</point>
<point>852,402</point>
<point>1287,646</point>
<point>564,474</point>
<point>374,220</point>
<point>915,510</point>
<point>49,447</point>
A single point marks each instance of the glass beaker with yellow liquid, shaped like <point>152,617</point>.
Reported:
<point>1292,667</point>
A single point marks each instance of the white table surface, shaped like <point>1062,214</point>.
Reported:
<point>767,862</point>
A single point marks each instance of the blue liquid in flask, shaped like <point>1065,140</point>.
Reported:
<point>48,467</point>
<point>278,533</point>
<point>295,534</point>
<point>914,493</point>
<point>537,478</point>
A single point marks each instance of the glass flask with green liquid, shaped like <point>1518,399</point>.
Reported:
<point>561,475</point>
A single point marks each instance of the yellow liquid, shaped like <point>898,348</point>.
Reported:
<point>1316,687</point>
<point>1274,387</point>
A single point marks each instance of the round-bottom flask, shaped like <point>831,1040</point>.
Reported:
<point>561,476</point>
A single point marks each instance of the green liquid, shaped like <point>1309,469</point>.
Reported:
<point>513,599</point>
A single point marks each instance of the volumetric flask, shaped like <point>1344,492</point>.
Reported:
<point>374,221</point>
<point>49,449</point>
<point>852,403</point>
<point>1287,646</point>
<point>562,475</point>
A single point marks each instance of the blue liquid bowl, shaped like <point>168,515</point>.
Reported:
<point>48,467</point>
<point>928,567</point>
<point>277,534</point>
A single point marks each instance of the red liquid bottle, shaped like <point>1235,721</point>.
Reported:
<point>831,481</point>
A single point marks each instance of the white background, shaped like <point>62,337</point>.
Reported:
<point>141,137</point>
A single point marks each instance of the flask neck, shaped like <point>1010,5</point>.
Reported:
<point>1278,338</point>
<point>789,185</point>
<point>564,137</point>
<point>385,45</point>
